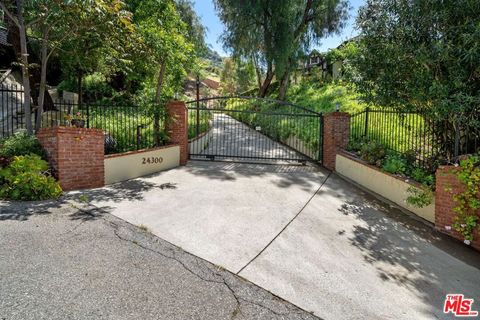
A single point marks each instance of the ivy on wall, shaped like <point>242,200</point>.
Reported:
<point>467,201</point>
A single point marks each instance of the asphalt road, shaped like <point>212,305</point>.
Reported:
<point>58,261</point>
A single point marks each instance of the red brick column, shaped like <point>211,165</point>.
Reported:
<point>336,130</point>
<point>447,184</point>
<point>76,156</point>
<point>176,127</point>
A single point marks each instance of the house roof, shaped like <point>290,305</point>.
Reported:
<point>3,37</point>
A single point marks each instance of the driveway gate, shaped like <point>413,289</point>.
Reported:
<point>249,129</point>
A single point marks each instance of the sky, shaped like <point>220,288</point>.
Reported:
<point>206,10</point>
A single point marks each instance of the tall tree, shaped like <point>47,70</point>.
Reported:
<point>15,12</point>
<point>422,56</point>
<point>245,75</point>
<point>165,42</point>
<point>228,85</point>
<point>276,31</point>
<point>68,25</point>
<point>100,30</point>
<point>195,29</point>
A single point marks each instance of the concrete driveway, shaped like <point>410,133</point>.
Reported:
<point>304,234</point>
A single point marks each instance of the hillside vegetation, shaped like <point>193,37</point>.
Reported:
<point>324,98</point>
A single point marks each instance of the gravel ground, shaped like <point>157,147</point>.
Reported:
<point>65,260</point>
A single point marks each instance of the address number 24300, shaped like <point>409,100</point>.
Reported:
<point>152,160</point>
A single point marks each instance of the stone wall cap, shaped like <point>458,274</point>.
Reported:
<point>115,155</point>
<point>70,130</point>
<point>336,114</point>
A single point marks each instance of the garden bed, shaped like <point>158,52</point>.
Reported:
<point>389,186</point>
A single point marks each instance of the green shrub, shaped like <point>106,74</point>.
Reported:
<point>372,152</point>
<point>26,178</point>
<point>395,164</point>
<point>422,176</point>
<point>355,144</point>
<point>21,144</point>
<point>419,197</point>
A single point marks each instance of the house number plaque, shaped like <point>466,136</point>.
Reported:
<point>152,160</point>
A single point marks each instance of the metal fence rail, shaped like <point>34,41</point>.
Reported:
<point>430,141</point>
<point>251,128</point>
<point>12,117</point>
<point>126,127</point>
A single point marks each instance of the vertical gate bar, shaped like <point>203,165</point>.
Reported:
<point>320,141</point>
<point>88,116</point>
<point>457,141</point>
<point>197,123</point>
<point>367,111</point>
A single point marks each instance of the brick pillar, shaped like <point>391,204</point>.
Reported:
<point>447,184</point>
<point>336,130</point>
<point>76,156</point>
<point>176,127</point>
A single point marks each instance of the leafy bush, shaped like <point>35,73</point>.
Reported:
<point>468,201</point>
<point>25,178</point>
<point>324,98</point>
<point>372,152</point>
<point>422,176</point>
<point>21,144</point>
<point>355,144</point>
<point>96,87</point>
<point>419,197</point>
<point>395,164</point>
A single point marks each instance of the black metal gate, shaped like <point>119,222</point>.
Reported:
<point>250,129</point>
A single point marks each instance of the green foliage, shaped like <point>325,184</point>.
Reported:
<point>468,201</point>
<point>395,164</point>
<point>245,75</point>
<point>277,33</point>
<point>25,178</point>
<point>282,127</point>
<point>165,43</point>
<point>21,144</point>
<point>421,55</point>
<point>325,98</point>
<point>419,197</point>
<point>122,123</point>
<point>96,87</point>
<point>372,152</point>
<point>228,81</point>
<point>204,123</point>
<point>422,176</point>
<point>355,145</point>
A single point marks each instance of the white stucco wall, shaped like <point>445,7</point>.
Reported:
<point>387,186</point>
<point>140,163</point>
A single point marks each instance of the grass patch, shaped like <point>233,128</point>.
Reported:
<point>324,98</point>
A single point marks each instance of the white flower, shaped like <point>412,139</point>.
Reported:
<point>448,228</point>
<point>467,242</point>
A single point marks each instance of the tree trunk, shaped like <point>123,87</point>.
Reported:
<point>282,91</point>
<point>257,72</point>
<point>266,83</point>
<point>25,72</point>
<point>43,79</point>
<point>156,120</point>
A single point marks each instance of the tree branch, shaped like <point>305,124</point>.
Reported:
<point>9,14</point>
<point>31,23</point>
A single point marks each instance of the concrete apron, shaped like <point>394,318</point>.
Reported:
<point>223,212</point>
<point>345,255</point>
